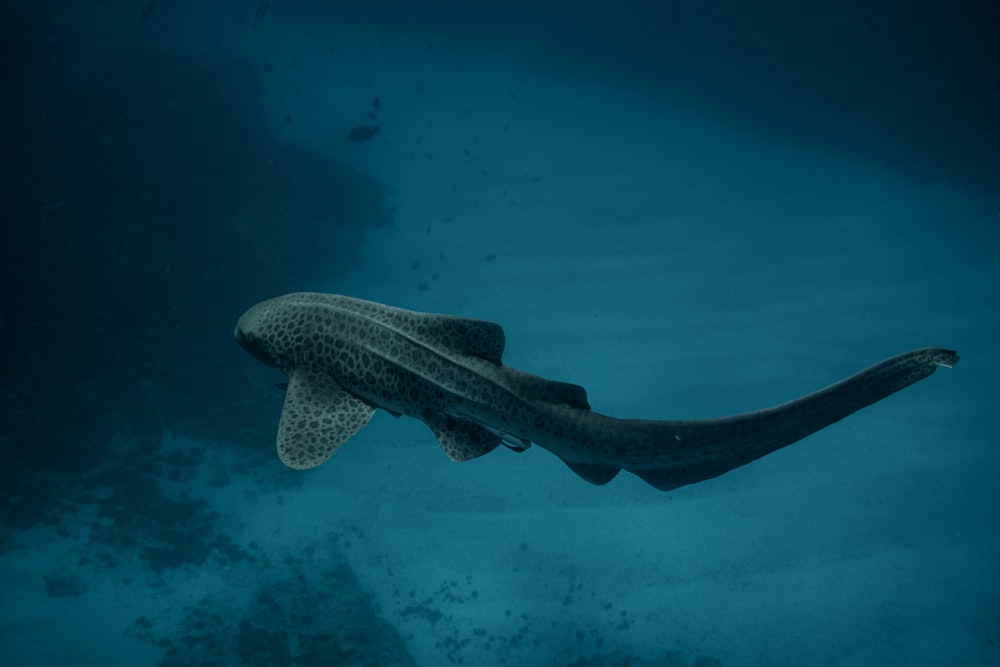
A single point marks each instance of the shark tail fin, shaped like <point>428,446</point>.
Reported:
<point>693,451</point>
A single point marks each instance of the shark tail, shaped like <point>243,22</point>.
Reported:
<point>670,454</point>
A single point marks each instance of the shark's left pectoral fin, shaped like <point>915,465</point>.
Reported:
<point>318,417</point>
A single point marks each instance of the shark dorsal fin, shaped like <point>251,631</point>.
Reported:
<point>464,335</point>
<point>476,338</point>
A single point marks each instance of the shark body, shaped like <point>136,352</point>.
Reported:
<point>345,357</point>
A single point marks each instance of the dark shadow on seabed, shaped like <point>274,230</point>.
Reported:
<point>145,206</point>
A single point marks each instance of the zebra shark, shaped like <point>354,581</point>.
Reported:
<point>345,357</point>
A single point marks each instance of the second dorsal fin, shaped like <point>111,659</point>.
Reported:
<point>538,388</point>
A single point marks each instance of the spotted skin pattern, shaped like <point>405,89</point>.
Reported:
<point>323,409</point>
<point>345,357</point>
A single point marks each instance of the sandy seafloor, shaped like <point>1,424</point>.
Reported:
<point>677,269</point>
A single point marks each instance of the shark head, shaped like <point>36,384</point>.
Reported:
<point>318,415</point>
<point>261,333</point>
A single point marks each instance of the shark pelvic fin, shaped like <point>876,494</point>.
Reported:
<point>463,440</point>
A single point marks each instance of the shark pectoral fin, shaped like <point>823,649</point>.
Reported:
<point>463,440</point>
<point>595,473</point>
<point>319,416</point>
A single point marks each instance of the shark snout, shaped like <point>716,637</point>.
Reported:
<point>247,325</point>
<point>251,333</point>
<point>246,339</point>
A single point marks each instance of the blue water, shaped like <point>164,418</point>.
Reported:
<point>691,209</point>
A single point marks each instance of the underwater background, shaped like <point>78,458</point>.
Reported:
<point>692,209</point>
